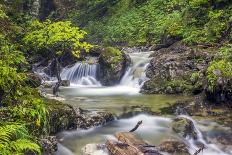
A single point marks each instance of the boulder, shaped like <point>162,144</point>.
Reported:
<point>113,64</point>
<point>176,69</point>
<point>222,91</point>
<point>87,119</point>
<point>173,147</point>
<point>33,80</point>
<point>49,144</point>
<point>61,117</point>
<point>66,117</point>
<point>184,127</point>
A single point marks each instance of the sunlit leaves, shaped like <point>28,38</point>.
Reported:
<point>56,37</point>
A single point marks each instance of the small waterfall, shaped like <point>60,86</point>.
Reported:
<point>135,74</point>
<point>81,73</point>
<point>211,149</point>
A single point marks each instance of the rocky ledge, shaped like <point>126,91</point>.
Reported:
<point>177,69</point>
<point>66,117</point>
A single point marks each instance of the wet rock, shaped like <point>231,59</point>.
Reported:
<point>47,85</point>
<point>94,149</point>
<point>49,145</point>
<point>113,65</point>
<point>222,140</point>
<point>33,80</point>
<point>222,91</point>
<point>65,83</point>
<point>172,70</point>
<point>61,117</point>
<point>87,119</point>
<point>173,147</point>
<point>184,127</point>
<point>66,117</point>
<point>68,59</point>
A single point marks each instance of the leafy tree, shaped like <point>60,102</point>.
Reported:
<point>57,38</point>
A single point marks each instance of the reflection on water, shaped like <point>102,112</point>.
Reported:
<point>117,104</point>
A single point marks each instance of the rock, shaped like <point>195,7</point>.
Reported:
<point>69,59</point>
<point>222,140</point>
<point>87,119</point>
<point>94,149</point>
<point>173,147</point>
<point>65,83</point>
<point>66,117</point>
<point>184,127</point>
<point>113,64</point>
<point>33,80</point>
<point>49,145</point>
<point>61,117</point>
<point>171,70</point>
<point>222,91</point>
<point>47,85</point>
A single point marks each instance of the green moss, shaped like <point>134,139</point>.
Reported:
<point>112,55</point>
<point>218,69</point>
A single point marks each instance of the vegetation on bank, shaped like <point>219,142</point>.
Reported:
<point>24,113</point>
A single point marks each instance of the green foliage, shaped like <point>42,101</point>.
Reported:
<point>112,56</point>
<point>15,139</point>
<point>57,37</point>
<point>218,69</point>
<point>195,77</point>
<point>195,21</point>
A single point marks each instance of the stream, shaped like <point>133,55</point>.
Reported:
<point>124,101</point>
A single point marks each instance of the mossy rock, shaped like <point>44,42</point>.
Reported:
<point>113,64</point>
<point>184,127</point>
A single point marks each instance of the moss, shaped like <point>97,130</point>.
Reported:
<point>111,56</point>
<point>218,69</point>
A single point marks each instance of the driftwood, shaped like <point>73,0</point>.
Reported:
<point>130,144</point>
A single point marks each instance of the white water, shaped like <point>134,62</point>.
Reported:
<point>81,74</point>
<point>83,77</point>
<point>210,149</point>
<point>154,130</point>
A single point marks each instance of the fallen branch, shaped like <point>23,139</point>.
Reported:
<point>136,127</point>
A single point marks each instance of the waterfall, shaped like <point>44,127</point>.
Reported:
<point>135,74</point>
<point>211,149</point>
<point>81,74</point>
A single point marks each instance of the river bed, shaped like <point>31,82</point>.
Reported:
<point>129,107</point>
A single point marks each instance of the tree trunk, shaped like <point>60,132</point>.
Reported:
<point>57,85</point>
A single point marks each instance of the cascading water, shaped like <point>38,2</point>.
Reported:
<point>81,74</point>
<point>154,130</point>
<point>209,149</point>
<point>135,74</point>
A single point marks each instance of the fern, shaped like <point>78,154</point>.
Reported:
<point>24,145</point>
<point>15,139</point>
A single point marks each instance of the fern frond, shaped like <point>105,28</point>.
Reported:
<point>15,139</point>
<point>25,145</point>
